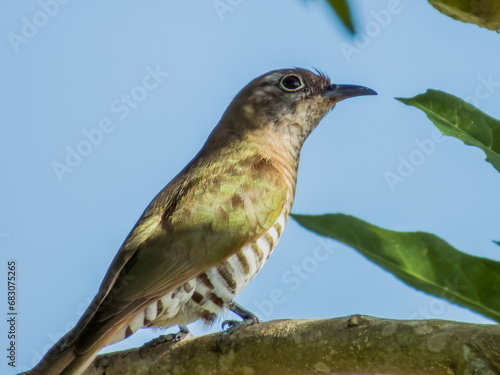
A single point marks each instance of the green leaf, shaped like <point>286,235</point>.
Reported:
<point>484,13</point>
<point>454,116</point>
<point>341,9</point>
<point>497,242</point>
<point>420,259</point>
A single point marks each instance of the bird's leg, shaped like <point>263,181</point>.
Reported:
<point>248,318</point>
<point>234,325</point>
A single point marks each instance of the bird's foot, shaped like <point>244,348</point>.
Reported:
<point>172,337</point>
<point>182,334</point>
<point>235,325</point>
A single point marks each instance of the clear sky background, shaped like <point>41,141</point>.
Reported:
<point>69,76</point>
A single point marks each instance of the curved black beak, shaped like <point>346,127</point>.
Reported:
<point>341,92</point>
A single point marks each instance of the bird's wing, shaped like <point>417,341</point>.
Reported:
<point>206,214</point>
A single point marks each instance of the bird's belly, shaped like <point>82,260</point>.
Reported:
<point>205,296</point>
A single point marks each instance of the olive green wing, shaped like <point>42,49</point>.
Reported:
<point>206,214</point>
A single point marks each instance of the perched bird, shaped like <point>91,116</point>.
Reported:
<point>211,229</point>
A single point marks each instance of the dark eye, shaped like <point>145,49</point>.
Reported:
<point>291,82</point>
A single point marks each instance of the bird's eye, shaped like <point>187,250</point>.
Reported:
<point>291,83</point>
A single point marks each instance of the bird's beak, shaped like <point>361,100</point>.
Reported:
<point>341,92</point>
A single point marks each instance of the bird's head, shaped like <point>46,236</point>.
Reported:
<point>287,102</point>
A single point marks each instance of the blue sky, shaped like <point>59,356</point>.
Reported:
<point>154,79</point>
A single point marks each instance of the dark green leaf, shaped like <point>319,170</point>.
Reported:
<point>420,259</point>
<point>484,13</point>
<point>341,9</point>
<point>497,242</point>
<point>454,116</point>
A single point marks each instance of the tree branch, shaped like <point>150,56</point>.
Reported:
<point>348,345</point>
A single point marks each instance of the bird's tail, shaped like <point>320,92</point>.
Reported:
<point>64,358</point>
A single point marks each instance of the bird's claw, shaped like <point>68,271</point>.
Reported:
<point>229,324</point>
<point>233,326</point>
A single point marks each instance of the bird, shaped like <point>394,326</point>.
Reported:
<point>211,229</point>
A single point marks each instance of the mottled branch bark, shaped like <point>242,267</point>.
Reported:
<point>352,345</point>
